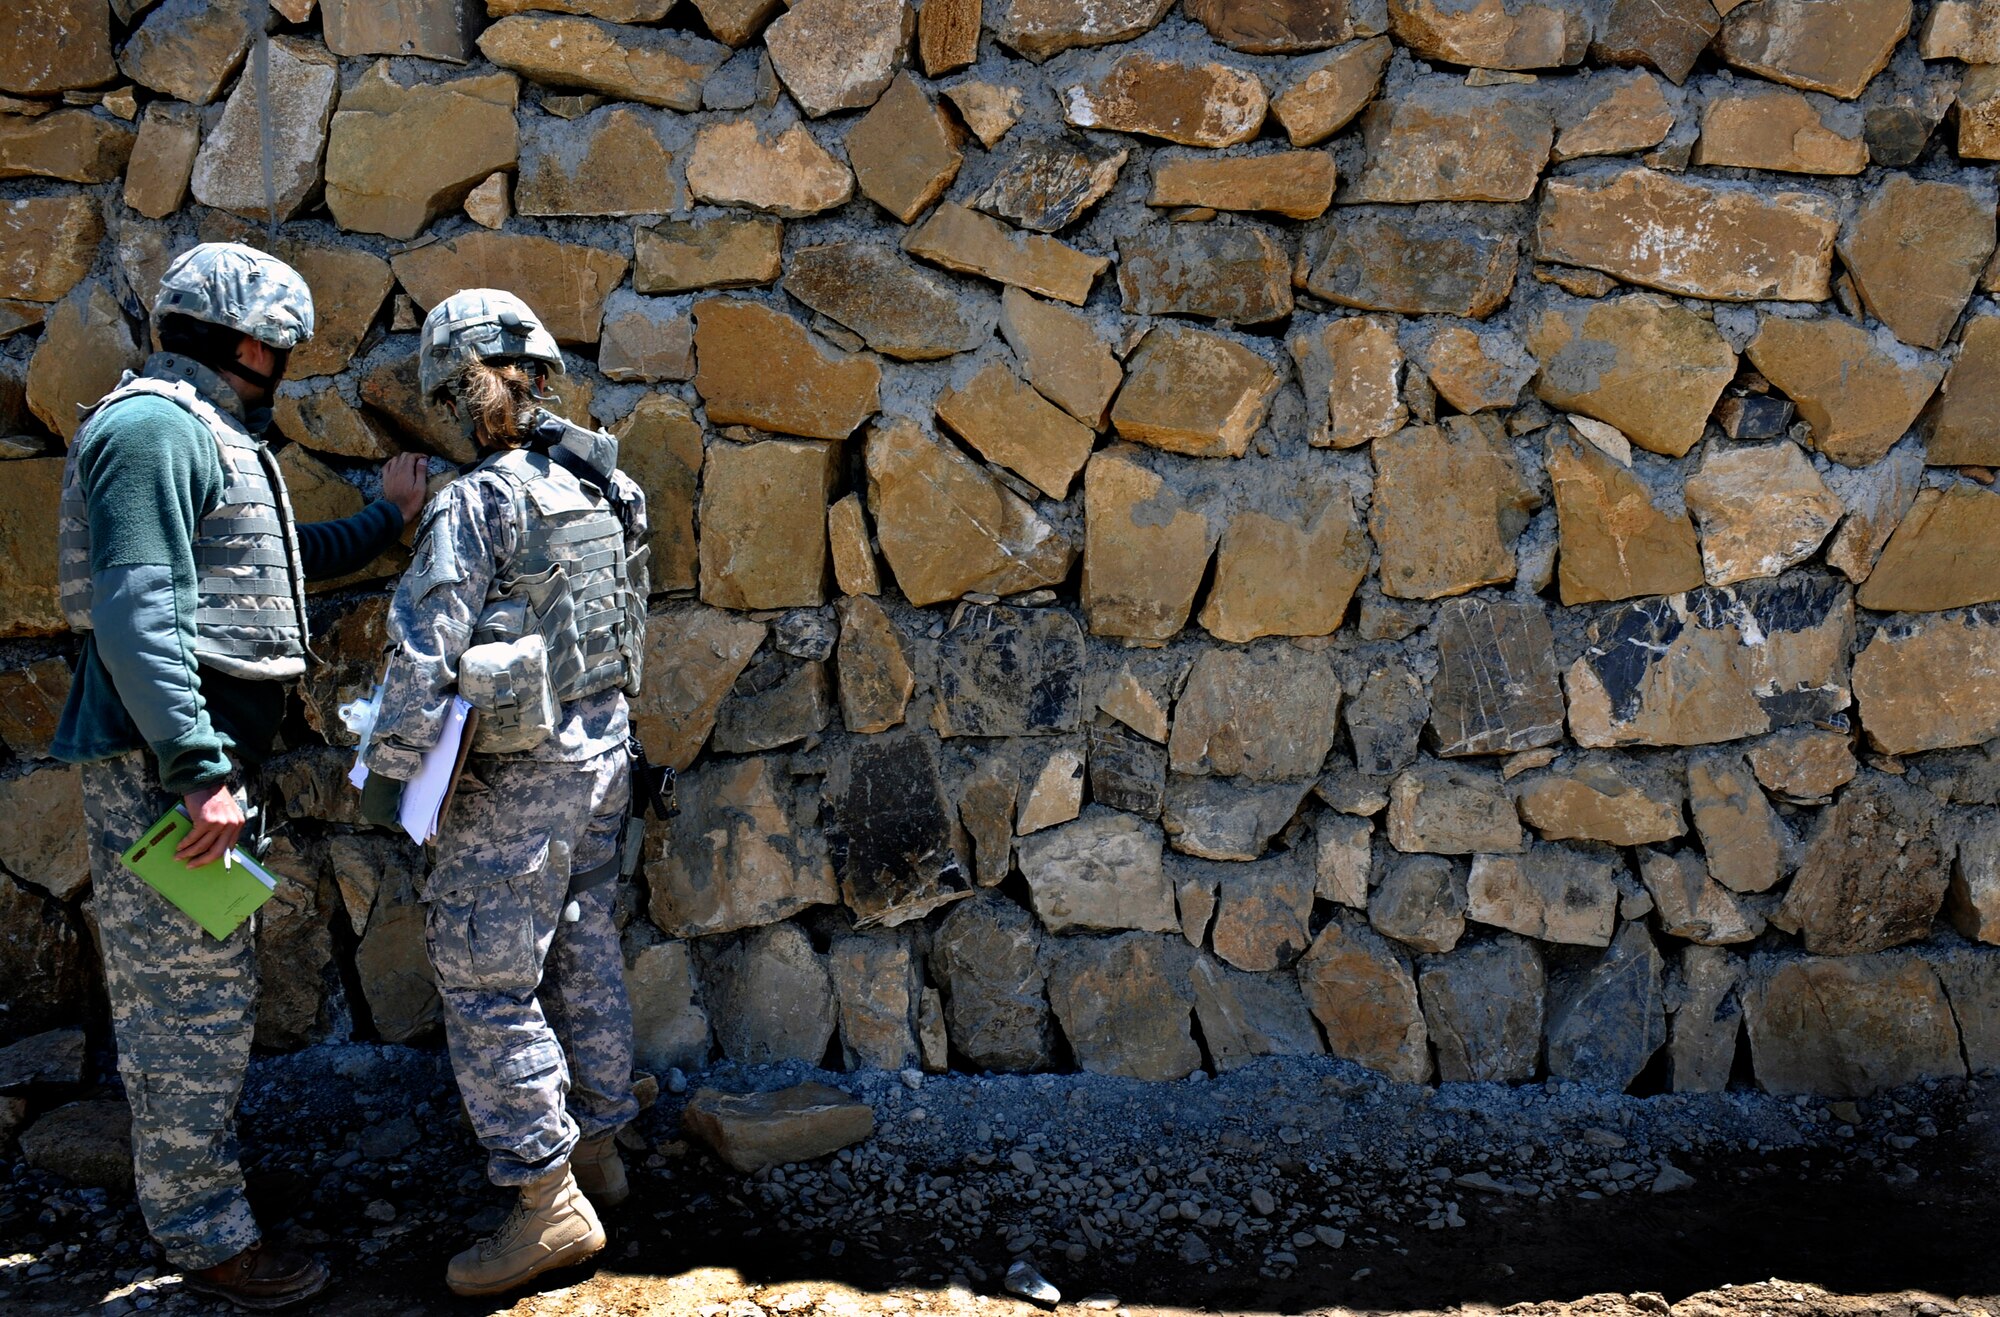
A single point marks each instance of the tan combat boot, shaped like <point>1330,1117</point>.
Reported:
<point>600,1171</point>
<point>551,1226</point>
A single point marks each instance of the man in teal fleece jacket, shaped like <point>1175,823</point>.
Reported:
<point>183,569</point>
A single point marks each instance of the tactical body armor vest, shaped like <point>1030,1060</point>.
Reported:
<point>571,586</point>
<point>250,620</point>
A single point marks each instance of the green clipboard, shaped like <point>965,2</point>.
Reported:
<point>217,898</point>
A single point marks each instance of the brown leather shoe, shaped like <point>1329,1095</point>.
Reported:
<point>262,1278</point>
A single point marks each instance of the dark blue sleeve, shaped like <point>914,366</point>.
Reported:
<point>330,549</point>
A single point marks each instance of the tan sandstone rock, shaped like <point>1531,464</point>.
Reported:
<point>1848,1027</point>
<point>86,344</point>
<point>1942,555</point>
<point>1915,250</point>
<point>875,678</point>
<point>1699,238</point>
<point>1295,184</point>
<point>1352,372</point>
<point>763,524</point>
<point>1929,686</point>
<point>188,49</point>
<point>1834,49</point>
<point>1061,354</point>
<point>790,174</point>
<point>1561,894</point>
<point>1038,29</point>
<point>898,308</point>
<point>1452,809</point>
<point>1287,575</point>
<point>1605,800</point>
<point>1804,764</point>
<point>1666,367</point>
<point>427,29</point>
<point>376,184</point>
<point>567,284</point>
<point>741,853</point>
<point>1192,104</point>
<point>1762,508</point>
<point>53,45</point>
<point>1619,111</point>
<point>1145,549</point>
<point>1474,370</point>
<point>1438,141</point>
<point>1492,34</point>
<point>75,146</point>
<point>1330,91</point>
<point>905,150</point>
<point>1360,989</point>
<point>947,527</point>
<point>611,162</point>
<point>1858,394</point>
<point>47,244</point>
<point>659,446</point>
<point>1191,391</point>
<point>650,65</point>
<point>760,367</point>
<point>752,1131</point>
<point>1754,126</point>
<point>853,555</point>
<point>156,179</point>
<point>971,243</point>
<point>697,652</point>
<point>1011,424</point>
<point>727,251</point>
<point>839,54</point>
<point>1267,715</point>
<point>1449,501</point>
<point>1616,543</point>
<point>1741,836</point>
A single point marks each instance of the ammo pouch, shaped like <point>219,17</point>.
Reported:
<point>508,682</point>
<point>525,648</point>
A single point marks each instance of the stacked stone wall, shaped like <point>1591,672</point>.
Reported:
<point>1452,534</point>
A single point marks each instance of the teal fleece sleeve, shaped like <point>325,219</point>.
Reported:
<point>149,472</point>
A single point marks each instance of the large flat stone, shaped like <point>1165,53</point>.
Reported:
<point>693,655</point>
<point>760,367</point>
<point>652,66</point>
<point>1496,690</point>
<point>376,184</point>
<point>1492,34</point>
<point>1565,894</point>
<point>567,284</point>
<point>1694,237</point>
<point>1756,126</point>
<point>839,54</point>
<point>610,162</point>
<point>1859,392</point>
<point>190,49</point>
<point>1038,29</point>
<point>1741,834</point>
<point>1062,354</point>
<point>948,527</point>
<point>74,146</point>
<point>1833,49</point>
<point>990,957</point>
<point>1452,809</point>
<point>1126,1005</point>
<point>1874,872</point>
<point>229,174</point>
<point>726,251</point>
<point>1359,988</point>
<point>1848,1027</point>
<point>1045,180</point>
<point>971,243</point>
<point>1011,424</point>
<point>1145,549</point>
<point>753,1131</point>
<point>1009,672</point>
<point>1239,273</point>
<point>1616,543</point>
<point>1931,683</point>
<point>1942,554</point>
<point>1643,363</point>
<point>1608,1018</point>
<point>1385,261</point>
<point>1192,104</point>
<point>1677,671</point>
<point>1449,501</point>
<point>1351,370</point>
<point>1245,1016</point>
<point>1268,715</point>
<point>1191,391</point>
<point>1291,574</point>
<point>47,244</point>
<point>768,994</point>
<point>1101,873</point>
<point>788,173</point>
<point>741,853</point>
<point>50,46</point>
<point>1483,1006</point>
<point>905,151</point>
<point>1440,141</point>
<point>1762,509</point>
<point>1326,93</point>
<point>890,830</point>
<point>902,311</point>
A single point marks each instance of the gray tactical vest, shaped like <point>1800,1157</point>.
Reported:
<point>250,619</point>
<point>571,580</point>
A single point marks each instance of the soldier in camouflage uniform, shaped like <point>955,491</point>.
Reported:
<point>527,596</point>
<point>183,570</point>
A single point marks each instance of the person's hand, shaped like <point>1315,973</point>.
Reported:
<point>218,822</point>
<point>381,801</point>
<point>405,478</point>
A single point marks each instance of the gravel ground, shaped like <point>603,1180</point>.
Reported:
<point>1285,1186</point>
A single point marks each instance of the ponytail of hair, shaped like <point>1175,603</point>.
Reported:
<point>499,400</point>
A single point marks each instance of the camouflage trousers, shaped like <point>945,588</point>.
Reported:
<point>182,1009</point>
<point>533,985</point>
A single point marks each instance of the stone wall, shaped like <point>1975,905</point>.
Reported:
<point>1451,534</point>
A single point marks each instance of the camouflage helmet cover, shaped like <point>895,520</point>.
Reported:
<point>240,288</point>
<point>480,324</point>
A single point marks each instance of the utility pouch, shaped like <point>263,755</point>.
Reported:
<point>508,682</point>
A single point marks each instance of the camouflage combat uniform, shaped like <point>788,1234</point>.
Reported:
<point>182,1008</point>
<point>532,982</point>
<point>183,570</point>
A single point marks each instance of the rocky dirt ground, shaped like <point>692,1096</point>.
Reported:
<point>1283,1187</point>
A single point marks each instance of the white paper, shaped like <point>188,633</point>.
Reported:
<point>423,795</point>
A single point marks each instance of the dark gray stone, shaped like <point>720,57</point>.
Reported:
<point>1754,416</point>
<point>1608,1016</point>
<point>1046,180</point>
<point>1875,870</point>
<point>1127,771</point>
<point>1385,718</point>
<point>1239,273</point>
<point>987,956</point>
<point>1219,818</point>
<point>1483,1007</point>
<point>890,830</point>
<point>1496,691</point>
<point>1010,672</point>
<point>774,703</point>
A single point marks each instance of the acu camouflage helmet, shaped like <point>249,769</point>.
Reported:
<point>240,288</point>
<point>481,324</point>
